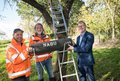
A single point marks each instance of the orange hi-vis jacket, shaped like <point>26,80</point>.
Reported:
<point>17,60</point>
<point>35,39</point>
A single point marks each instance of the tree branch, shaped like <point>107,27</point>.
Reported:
<point>67,8</point>
<point>42,9</point>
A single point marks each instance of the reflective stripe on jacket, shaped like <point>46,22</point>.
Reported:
<point>36,39</point>
<point>17,60</point>
<point>20,72</point>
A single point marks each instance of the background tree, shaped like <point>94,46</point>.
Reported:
<point>109,7</point>
<point>100,19</point>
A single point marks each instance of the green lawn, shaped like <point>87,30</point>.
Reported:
<point>107,67</point>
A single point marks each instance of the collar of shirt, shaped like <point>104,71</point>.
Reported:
<point>82,34</point>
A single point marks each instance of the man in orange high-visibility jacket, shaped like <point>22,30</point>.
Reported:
<point>18,62</point>
<point>42,59</point>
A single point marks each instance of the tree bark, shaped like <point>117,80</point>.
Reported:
<point>112,18</point>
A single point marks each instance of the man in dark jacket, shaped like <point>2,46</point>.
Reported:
<point>83,47</point>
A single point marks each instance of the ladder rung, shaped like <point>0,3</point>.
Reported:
<point>62,51</point>
<point>55,8</point>
<point>58,18</point>
<point>67,62</point>
<point>55,2</point>
<point>59,25</point>
<point>56,12</point>
<point>69,75</point>
<point>61,32</point>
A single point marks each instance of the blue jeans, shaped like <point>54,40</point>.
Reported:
<point>48,66</point>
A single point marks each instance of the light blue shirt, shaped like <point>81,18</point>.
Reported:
<point>81,36</point>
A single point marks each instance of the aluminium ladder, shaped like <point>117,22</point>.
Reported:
<point>60,23</point>
<point>57,18</point>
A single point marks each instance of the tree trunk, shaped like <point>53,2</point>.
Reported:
<point>112,18</point>
<point>99,38</point>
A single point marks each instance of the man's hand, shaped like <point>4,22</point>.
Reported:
<point>70,48</point>
<point>30,50</point>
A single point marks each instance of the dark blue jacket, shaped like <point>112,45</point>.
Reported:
<point>84,50</point>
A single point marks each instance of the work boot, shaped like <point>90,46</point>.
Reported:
<point>52,79</point>
<point>41,80</point>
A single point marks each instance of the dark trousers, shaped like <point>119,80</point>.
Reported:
<point>86,72</point>
<point>22,78</point>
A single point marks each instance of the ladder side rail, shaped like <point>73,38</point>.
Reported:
<point>60,69</point>
<point>76,73</point>
<point>54,29</point>
<point>63,52</point>
<point>75,68</point>
<point>63,18</point>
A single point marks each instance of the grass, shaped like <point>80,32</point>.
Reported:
<point>107,67</point>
